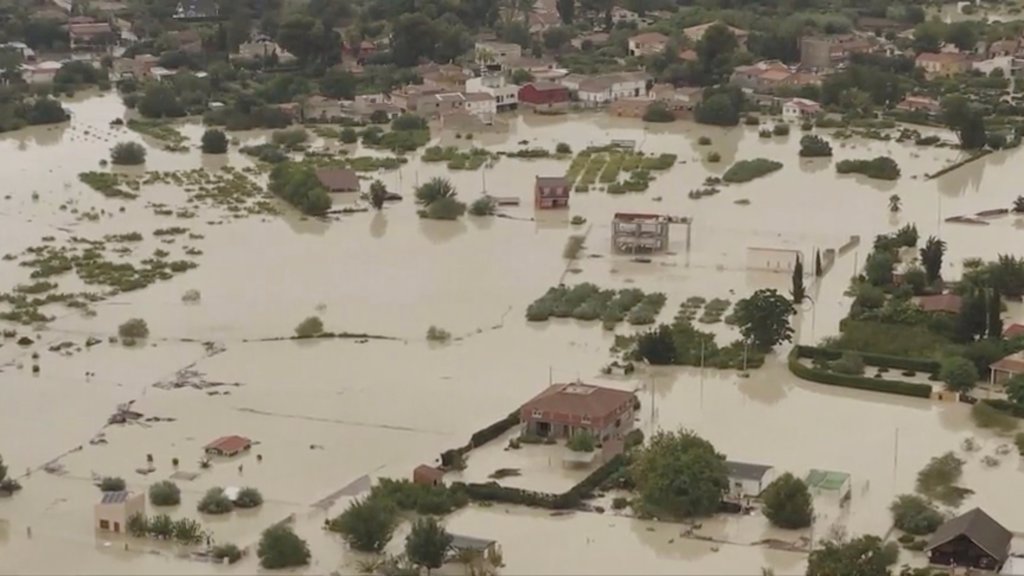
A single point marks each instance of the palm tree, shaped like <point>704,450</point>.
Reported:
<point>378,194</point>
<point>1018,204</point>
<point>931,257</point>
<point>895,205</point>
<point>433,190</point>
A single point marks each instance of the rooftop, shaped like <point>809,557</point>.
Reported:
<point>115,497</point>
<point>649,38</point>
<point>637,216</point>
<point>1013,331</point>
<point>942,57</point>
<point>980,528</point>
<point>747,471</point>
<point>229,443</point>
<point>940,303</point>
<point>1014,363</point>
<point>578,399</point>
<point>338,179</point>
<point>826,479</point>
<point>461,542</point>
<point>551,181</point>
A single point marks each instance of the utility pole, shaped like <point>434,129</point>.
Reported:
<point>702,373</point>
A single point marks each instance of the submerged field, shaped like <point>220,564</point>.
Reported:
<point>328,412</point>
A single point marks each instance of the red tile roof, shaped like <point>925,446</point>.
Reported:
<point>940,303</point>
<point>228,444</point>
<point>1013,331</point>
<point>338,179</point>
<point>1014,364</point>
<point>578,400</point>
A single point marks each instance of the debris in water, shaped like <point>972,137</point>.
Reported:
<point>505,473</point>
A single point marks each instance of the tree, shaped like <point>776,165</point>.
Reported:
<point>164,493</point>
<point>581,441</point>
<point>378,194</point>
<point>863,556</point>
<point>715,50</point>
<point>763,318</point>
<point>972,320</point>
<point>931,257</point>
<point>433,190</point>
<point>818,270</point>
<point>966,121</point>
<point>3,469</point>
<point>248,497</point>
<point>658,112</point>
<point>1018,205</point>
<point>894,203</point>
<point>188,531</point>
<point>814,146</point>
<point>718,110</point>
<point>112,484</point>
<point>427,543</point>
<point>995,310</point>
<point>161,526</point>
<point>878,268</point>
<point>1006,274</point>
<point>928,36</point>
<point>797,292</point>
<point>138,525</point>
<point>680,473</point>
<point>367,524</point>
<point>959,374</point>
<point>280,547</point>
<point>312,326</point>
<point>521,76</point>
<point>339,84</point>
<point>214,142</point>
<point>963,35</point>
<point>787,502</point>
<point>1015,389</point>
<point>483,206</point>
<point>160,101</point>
<point>566,10</point>
<point>128,154</point>
<point>445,209</point>
<point>657,346</point>
<point>915,515</point>
<point>215,501</point>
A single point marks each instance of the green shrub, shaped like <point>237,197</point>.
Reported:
<point>780,129</point>
<point>289,137</point>
<point>483,206</point>
<point>128,154</point>
<point>850,363</point>
<point>581,441</point>
<point>619,503</point>
<point>214,142</point>
<point>215,501</point>
<point>985,415</point>
<point>813,146</point>
<point>311,326</point>
<point>704,141</point>
<point>563,148</point>
<point>229,551</point>
<point>248,498</point>
<point>134,329</point>
<point>874,384</point>
<point>714,157</point>
<point>112,484</point>
<point>164,493</point>
<point>658,112</point>
<point>915,515</point>
<point>747,170</point>
<point>751,120</point>
<point>882,168</point>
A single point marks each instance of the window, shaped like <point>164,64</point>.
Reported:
<point>104,525</point>
<point>585,420</point>
<point>537,414</point>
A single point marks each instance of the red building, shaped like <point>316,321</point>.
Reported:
<point>564,409</point>
<point>551,192</point>
<point>544,96</point>
<point>228,446</point>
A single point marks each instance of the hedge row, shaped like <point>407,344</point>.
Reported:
<point>494,492</point>
<point>480,437</point>
<point>860,382</point>
<point>1011,408</point>
<point>896,362</point>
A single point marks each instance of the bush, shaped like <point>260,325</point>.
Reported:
<point>1018,439</point>
<point>563,148</point>
<point>874,384</point>
<point>718,110</point>
<point>780,129</point>
<point>289,137</point>
<point>444,209</point>
<point>751,120</point>
<point>703,141</point>
<point>881,168</point>
<point>214,142</point>
<point>483,206</point>
<point>164,493</point>
<point>229,551</point>
<point>298,185</point>
<point>312,326</point>
<point>435,334</point>
<point>959,374</point>
<point>367,524</point>
<point>280,547</point>
<point>883,360</point>
<point>985,415</point>
<point>134,329</point>
<point>494,430</point>
<point>787,502</point>
<point>112,484</point>
<point>619,503</point>
<point>215,501</point>
<point>581,441</point>
<point>747,170</point>
<point>850,363</point>
<point>813,146</point>
<point>915,515</point>
<point>248,498</point>
<point>658,112</point>
<point>714,157</point>
<point>128,154</point>
<point>349,136</point>
<point>419,498</point>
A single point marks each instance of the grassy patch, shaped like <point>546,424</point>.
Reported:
<point>161,131</point>
<point>110,185</point>
<point>747,170</point>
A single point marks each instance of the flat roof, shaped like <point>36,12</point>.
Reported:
<point>470,542</point>
<point>826,479</point>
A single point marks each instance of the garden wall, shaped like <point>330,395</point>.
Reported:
<point>481,437</point>
<point>883,360</point>
<point>848,380</point>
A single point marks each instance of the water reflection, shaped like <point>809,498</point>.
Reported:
<point>439,231</point>
<point>378,224</point>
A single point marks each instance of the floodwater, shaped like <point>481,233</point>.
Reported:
<point>327,413</point>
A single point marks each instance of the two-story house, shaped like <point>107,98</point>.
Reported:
<point>505,93</point>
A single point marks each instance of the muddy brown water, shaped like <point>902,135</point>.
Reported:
<point>326,413</point>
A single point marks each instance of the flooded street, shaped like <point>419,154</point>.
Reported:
<point>326,413</point>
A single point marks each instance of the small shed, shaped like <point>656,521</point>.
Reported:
<point>428,475</point>
<point>338,179</point>
<point>1007,367</point>
<point>228,446</point>
<point>748,480</point>
<point>115,508</point>
<point>471,544</point>
<point>971,540</point>
<point>829,481</point>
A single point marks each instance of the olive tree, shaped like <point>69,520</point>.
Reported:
<point>763,318</point>
<point>427,543</point>
<point>680,473</point>
<point>280,547</point>
<point>312,326</point>
<point>128,154</point>
<point>915,515</point>
<point>367,524</point>
<point>959,374</point>
<point>164,493</point>
<point>787,502</point>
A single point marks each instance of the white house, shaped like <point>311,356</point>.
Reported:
<point>606,88</point>
<point>620,14</point>
<point>27,53</point>
<point>799,108</point>
<point>482,105</point>
<point>112,512</point>
<point>496,52</point>
<point>41,73</point>
<point>748,480</point>
<point>505,93</point>
<point>263,47</point>
<point>647,44</point>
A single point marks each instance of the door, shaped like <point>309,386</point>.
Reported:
<point>117,527</point>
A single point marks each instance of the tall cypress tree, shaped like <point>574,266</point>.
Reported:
<point>798,291</point>
<point>818,272</point>
<point>995,322</point>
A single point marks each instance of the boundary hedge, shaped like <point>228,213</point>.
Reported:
<point>885,360</point>
<point>1005,406</point>
<point>494,492</point>
<point>850,381</point>
<point>481,437</point>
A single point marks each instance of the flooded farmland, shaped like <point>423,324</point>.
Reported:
<point>326,413</point>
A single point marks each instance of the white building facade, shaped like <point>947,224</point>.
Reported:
<point>505,93</point>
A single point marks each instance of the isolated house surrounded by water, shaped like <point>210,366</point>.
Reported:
<point>550,192</point>
<point>971,540</point>
<point>428,475</point>
<point>565,409</point>
<point>748,480</point>
<point>338,179</point>
<point>632,232</point>
<point>228,446</point>
<point>115,508</point>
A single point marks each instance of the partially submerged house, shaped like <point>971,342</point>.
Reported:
<point>481,548</point>
<point>114,509</point>
<point>550,192</point>
<point>634,232</point>
<point>544,96</point>
<point>565,409</point>
<point>972,540</point>
<point>748,480</point>
<point>228,446</point>
<point>1007,367</point>
<point>945,303</point>
<point>338,179</point>
<point>830,481</point>
<point>428,475</point>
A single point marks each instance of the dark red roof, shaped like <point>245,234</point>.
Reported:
<point>1013,331</point>
<point>338,179</point>
<point>229,444</point>
<point>941,303</point>
<point>578,399</point>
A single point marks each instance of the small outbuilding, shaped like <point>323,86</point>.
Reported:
<point>971,540</point>
<point>115,508</point>
<point>338,179</point>
<point>832,481</point>
<point>228,446</point>
<point>471,544</point>
<point>1007,367</point>
<point>748,480</point>
<point>428,475</point>
<point>551,192</point>
<point>946,303</point>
